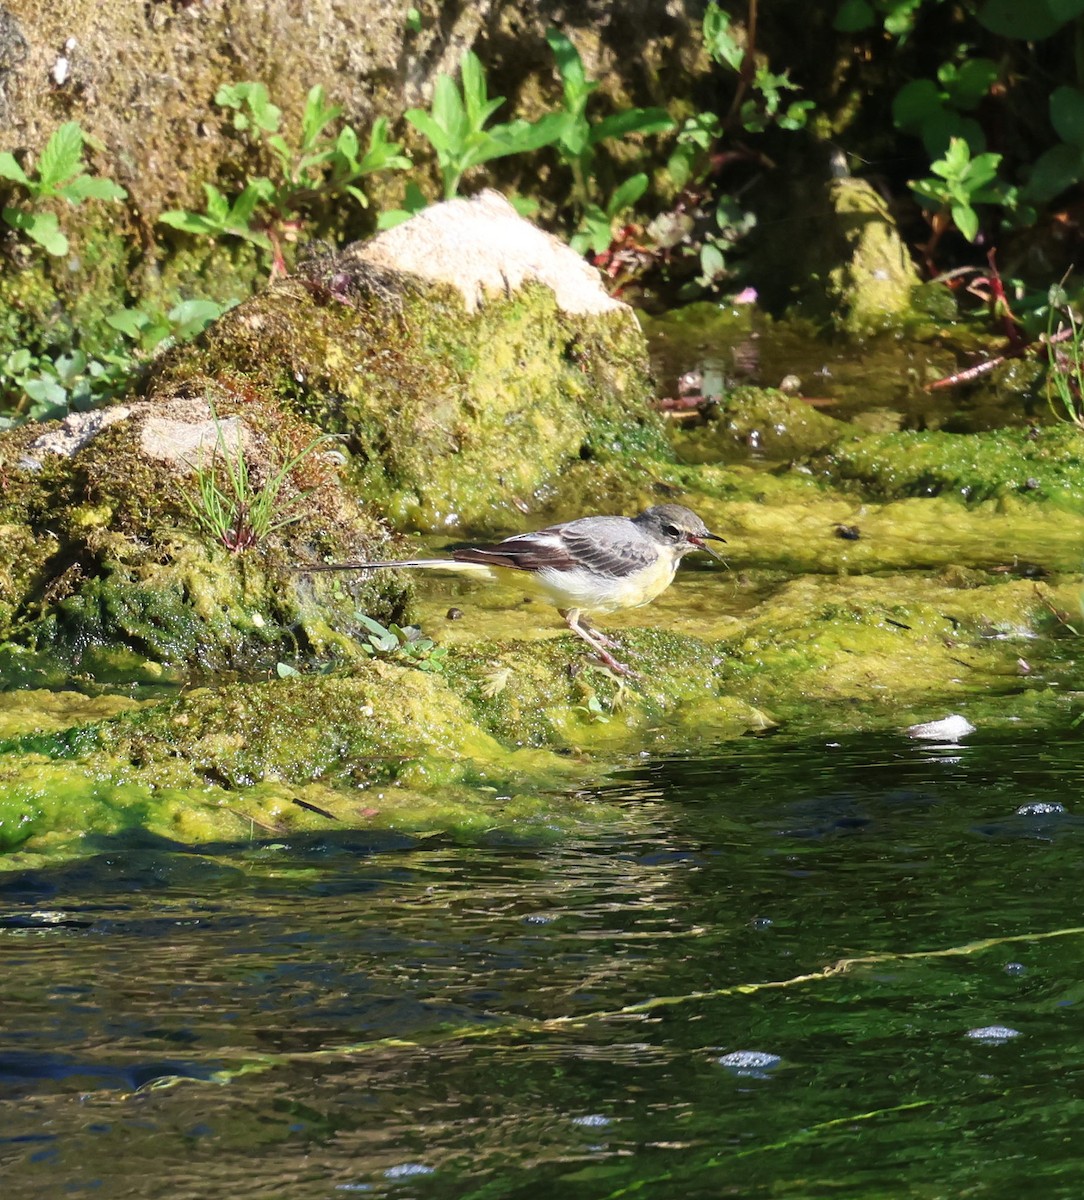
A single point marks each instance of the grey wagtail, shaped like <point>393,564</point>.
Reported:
<point>593,565</point>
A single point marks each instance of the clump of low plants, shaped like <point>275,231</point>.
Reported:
<point>231,507</point>
<point>61,174</point>
<point>315,165</point>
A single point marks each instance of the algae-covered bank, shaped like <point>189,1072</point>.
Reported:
<point>464,378</point>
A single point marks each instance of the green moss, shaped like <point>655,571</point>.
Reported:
<point>762,421</point>
<point>1036,464</point>
<point>452,418</point>
<point>115,560</point>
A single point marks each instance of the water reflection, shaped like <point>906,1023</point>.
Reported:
<point>407,1017</point>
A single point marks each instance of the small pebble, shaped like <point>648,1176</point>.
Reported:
<point>993,1035</point>
<point>454,614</point>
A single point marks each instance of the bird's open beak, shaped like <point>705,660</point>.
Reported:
<point>698,541</point>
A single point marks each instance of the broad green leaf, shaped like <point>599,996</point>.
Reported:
<point>317,115</point>
<point>915,103</point>
<point>448,114</point>
<point>1026,20</point>
<point>42,228</point>
<point>430,129</point>
<point>91,187</point>
<point>1067,114</point>
<point>1053,171</point>
<point>632,120</point>
<point>972,82</point>
<point>218,206</point>
<point>627,194</point>
<point>191,316</point>
<point>45,390</point>
<point>10,169</point>
<point>189,222</point>
<point>62,156</point>
<point>569,63</point>
<point>966,220</point>
<point>129,321</point>
<point>517,137</point>
<point>853,16</point>
<point>285,671</point>
<point>712,262</point>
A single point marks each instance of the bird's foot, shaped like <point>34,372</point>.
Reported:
<point>607,660</point>
<point>598,636</point>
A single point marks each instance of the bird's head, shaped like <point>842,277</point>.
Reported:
<point>678,528</point>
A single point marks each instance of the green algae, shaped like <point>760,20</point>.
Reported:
<point>1037,464</point>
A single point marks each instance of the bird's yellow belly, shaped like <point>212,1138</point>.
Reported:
<point>593,593</point>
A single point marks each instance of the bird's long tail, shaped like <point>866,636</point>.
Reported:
<point>422,564</point>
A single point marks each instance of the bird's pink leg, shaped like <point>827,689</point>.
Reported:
<point>572,620</point>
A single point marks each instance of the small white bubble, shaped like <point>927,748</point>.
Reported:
<point>993,1035</point>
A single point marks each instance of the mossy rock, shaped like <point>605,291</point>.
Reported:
<point>103,550</point>
<point>467,358</point>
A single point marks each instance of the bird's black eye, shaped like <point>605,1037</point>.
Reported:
<point>673,533</point>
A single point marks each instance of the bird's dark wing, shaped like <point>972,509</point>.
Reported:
<point>610,546</point>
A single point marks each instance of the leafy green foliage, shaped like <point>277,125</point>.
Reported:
<point>320,165</point>
<point>402,644</point>
<point>456,125</point>
<point>765,104</point>
<point>40,387</point>
<point>234,510</point>
<point>61,174</point>
<point>962,182</point>
<point>936,111</point>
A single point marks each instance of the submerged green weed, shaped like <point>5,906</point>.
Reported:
<point>405,644</point>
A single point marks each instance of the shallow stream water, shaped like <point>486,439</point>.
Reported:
<point>663,1008</point>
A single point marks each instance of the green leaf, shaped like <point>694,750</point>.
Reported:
<point>1053,171</point>
<point>285,671</point>
<point>430,129</point>
<point>91,187</point>
<point>188,222</point>
<point>129,321</point>
<point>627,194</point>
<point>632,120</point>
<point>45,390</point>
<point>448,115</point>
<point>972,82</point>
<point>62,156</point>
<point>915,103</point>
<point>191,316</point>
<point>1067,114</point>
<point>10,169</point>
<point>712,262</point>
<point>518,137</point>
<point>966,220</point>
<point>853,16</point>
<point>569,64</point>
<point>1026,20</point>
<point>719,42</point>
<point>317,115</point>
<point>479,107</point>
<point>42,228</point>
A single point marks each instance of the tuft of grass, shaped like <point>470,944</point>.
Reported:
<point>230,507</point>
<point>1065,359</point>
